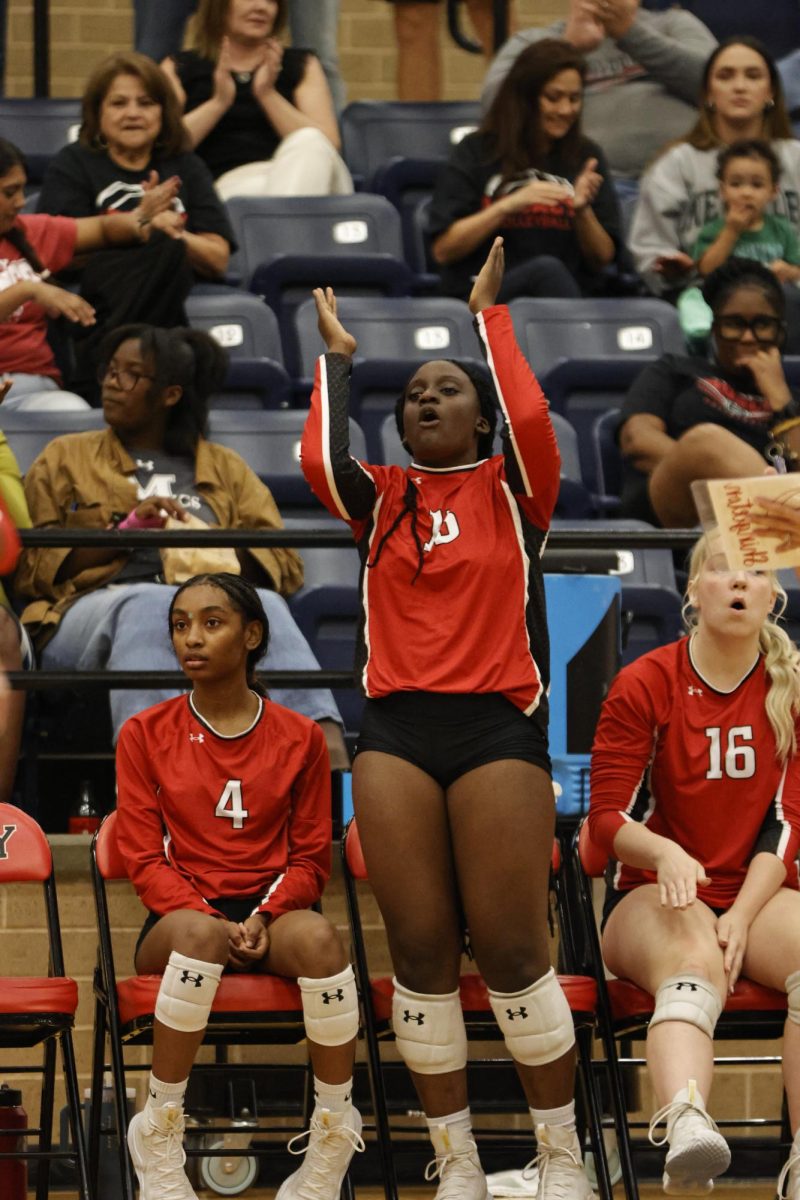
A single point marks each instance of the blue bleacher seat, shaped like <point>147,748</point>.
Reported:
<point>550,330</point>
<point>607,457</point>
<point>651,601</point>
<point>289,245</point>
<point>270,443</point>
<point>29,432</point>
<point>377,131</point>
<point>248,330</point>
<point>39,127</point>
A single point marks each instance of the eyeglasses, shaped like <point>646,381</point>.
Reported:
<point>126,380</point>
<point>732,328</point>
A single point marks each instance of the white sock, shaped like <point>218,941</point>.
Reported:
<point>336,1097</point>
<point>690,1095</point>
<point>451,1132</point>
<point>159,1094</point>
<point>564,1116</point>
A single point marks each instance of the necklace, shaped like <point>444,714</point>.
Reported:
<point>243,76</point>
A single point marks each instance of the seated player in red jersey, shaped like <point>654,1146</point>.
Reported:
<point>696,797</point>
<point>451,779</point>
<point>225,822</point>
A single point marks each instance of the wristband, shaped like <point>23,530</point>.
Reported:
<point>134,522</point>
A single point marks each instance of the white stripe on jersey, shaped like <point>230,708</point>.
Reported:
<point>512,436</point>
<point>365,593</point>
<point>270,893</point>
<point>325,416</point>
<point>526,571</point>
<point>787,828</point>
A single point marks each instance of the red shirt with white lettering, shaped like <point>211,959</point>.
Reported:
<point>695,765</point>
<point>203,816</point>
<point>24,348</point>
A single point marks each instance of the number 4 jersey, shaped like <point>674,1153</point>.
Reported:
<point>695,765</point>
<point>201,815</point>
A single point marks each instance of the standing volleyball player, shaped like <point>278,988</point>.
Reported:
<point>452,780</point>
<point>696,798</point>
<point>225,824</point>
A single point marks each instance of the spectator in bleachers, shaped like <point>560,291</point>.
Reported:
<point>313,24</point>
<point>697,417</point>
<point>259,115</point>
<point>451,779</point>
<point>742,97</point>
<point>418,31</point>
<point>643,74</point>
<point>242,788</point>
<point>529,173</point>
<point>695,797</point>
<point>131,136</point>
<point>152,462</point>
<point>32,248</point>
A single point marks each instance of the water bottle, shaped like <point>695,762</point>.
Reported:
<point>84,817</point>
<point>13,1171</point>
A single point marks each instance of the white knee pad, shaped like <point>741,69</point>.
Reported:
<point>792,986</point>
<point>429,1031</point>
<point>188,988</point>
<point>536,1023</point>
<point>330,1008</point>
<point>688,998</point>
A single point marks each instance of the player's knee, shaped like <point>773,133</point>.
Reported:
<point>428,969</point>
<point>535,1021</point>
<point>690,998</point>
<point>319,949</point>
<point>792,986</point>
<point>510,968</point>
<point>202,937</point>
<point>429,1030</point>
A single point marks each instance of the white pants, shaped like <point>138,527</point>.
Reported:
<point>305,164</point>
<point>39,393</point>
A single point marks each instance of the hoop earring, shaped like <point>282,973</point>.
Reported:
<point>100,142</point>
<point>769,106</point>
<point>710,106</point>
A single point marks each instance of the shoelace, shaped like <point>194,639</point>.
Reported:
<point>437,1166</point>
<point>553,1156</point>
<point>167,1149</point>
<point>794,1161</point>
<point>676,1109</point>
<point>329,1145</point>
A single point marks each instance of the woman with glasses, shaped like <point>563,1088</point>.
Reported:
<point>107,608</point>
<point>695,790</point>
<point>710,416</point>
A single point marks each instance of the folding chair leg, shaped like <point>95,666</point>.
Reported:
<point>95,1114</point>
<point>617,1093</point>
<point>46,1118</point>
<point>379,1107</point>
<point>121,1110</point>
<point>594,1113</point>
<point>76,1115</point>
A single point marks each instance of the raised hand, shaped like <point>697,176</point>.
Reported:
<point>266,73</point>
<point>674,266</point>
<point>538,191</point>
<point>158,197</point>
<point>587,185</point>
<point>489,279</point>
<point>777,519</point>
<point>766,367</point>
<point>333,333</point>
<point>224,87</point>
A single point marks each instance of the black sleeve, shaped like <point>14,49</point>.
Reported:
<point>459,187</point>
<point>67,188</point>
<point>205,212</point>
<point>654,390</point>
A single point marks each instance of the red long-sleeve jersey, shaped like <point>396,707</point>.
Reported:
<point>695,765</point>
<point>202,816</point>
<point>473,619</point>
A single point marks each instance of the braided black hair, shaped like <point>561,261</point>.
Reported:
<point>246,601</point>
<point>487,403</point>
<point>187,357</point>
<point>743,272</point>
<point>11,156</point>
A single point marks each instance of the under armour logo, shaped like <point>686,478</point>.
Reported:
<point>418,1018</point>
<point>196,737</point>
<point>328,997</point>
<point>188,977</point>
<point>522,1013</point>
<point>694,691</point>
<point>691,986</point>
<point>4,836</point>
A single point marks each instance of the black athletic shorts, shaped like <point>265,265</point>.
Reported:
<point>614,896</point>
<point>235,908</point>
<point>446,735</point>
